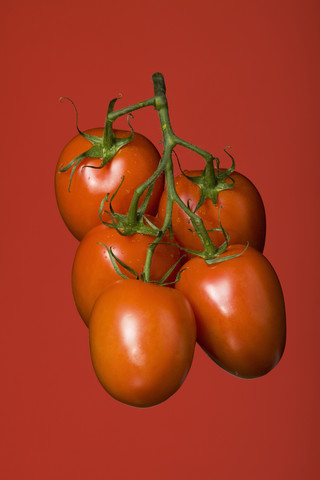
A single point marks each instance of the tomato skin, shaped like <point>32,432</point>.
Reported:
<point>142,340</point>
<point>93,271</point>
<point>242,215</point>
<point>79,207</point>
<point>239,310</point>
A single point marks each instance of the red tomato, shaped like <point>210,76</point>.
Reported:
<point>142,340</point>
<point>242,215</point>
<point>93,271</point>
<point>79,207</point>
<point>239,310</point>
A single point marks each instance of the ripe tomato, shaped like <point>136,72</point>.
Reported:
<point>93,271</point>
<point>79,207</point>
<point>242,214</point>
<point>142,340</point>
<point>239,310</point>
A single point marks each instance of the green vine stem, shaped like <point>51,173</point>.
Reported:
<point>211,181</point>
<point>170,141</point>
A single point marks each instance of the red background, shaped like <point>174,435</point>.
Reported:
<point>241,73</point>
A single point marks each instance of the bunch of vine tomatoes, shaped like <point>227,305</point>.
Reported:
<point>164,262</point>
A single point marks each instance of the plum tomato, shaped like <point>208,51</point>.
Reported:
<point>142,340</point>
<point>241,210</point>
<point>79,206</point>
<point>93,271</point>
<point>239,310</point>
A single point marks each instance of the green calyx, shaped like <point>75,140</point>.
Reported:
<point>104,147</point>
<point>212,180</point>
<point>219,259</point>
<point>116,262</point>
<point>125,224</point>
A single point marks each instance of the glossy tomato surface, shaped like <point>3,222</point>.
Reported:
<point>93,271</point>
<point>241,209</point>
<point>239,309</point>
<point>142,340</point>
<point>79,207</point>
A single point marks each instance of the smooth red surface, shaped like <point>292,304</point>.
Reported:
<point>239,309</point>
<point>244,74</point>
<point>142,341</point>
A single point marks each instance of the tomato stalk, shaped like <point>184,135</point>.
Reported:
<point>170,141</point>
<point>210,182</point>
